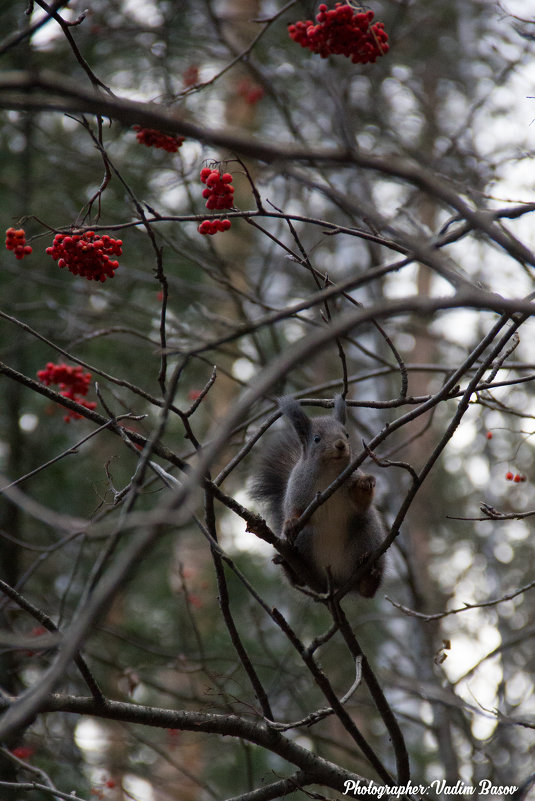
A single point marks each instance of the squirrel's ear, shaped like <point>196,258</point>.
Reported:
<point>340,409</point>
<point>292,410</point>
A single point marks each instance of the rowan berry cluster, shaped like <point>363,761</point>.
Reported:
<point>213,226</point>
<point>517,477</point>
<point>341,31</point>
<point>190,76</point>
<point>251,92</point>
<point>88,254</point>
<point>16,241</point>
<point>23,752</point>
<point>73,383</point>
<point>101,791</point>
<point>36,631</point>
<point>153,138</point>
<point>219,192</point>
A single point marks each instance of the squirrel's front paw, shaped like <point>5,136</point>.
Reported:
<point>290,529</point>
<point>362,490</point>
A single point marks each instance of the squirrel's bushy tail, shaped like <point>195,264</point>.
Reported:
<point>273,469</point>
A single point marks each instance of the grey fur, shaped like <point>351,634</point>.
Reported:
<point>346,528</point>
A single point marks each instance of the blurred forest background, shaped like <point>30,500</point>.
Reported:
<point>405,184</point>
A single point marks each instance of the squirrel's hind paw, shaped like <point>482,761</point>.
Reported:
<point>369,584</point>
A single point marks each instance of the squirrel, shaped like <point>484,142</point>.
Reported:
<point>344,530</point>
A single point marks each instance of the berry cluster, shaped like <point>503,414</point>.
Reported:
<point>250,91</point>
<point>16,241</point>
<point>23,752</point>
<point>100,792</point>
<point>73,383</point>
<point>152,138</point>
<point>342,32</point>
<point>36,631</point>
<point>88,255</point>
<point>213,226</point>
<point>517,477</point>
<point>190,76</point>
<point>219,192</point>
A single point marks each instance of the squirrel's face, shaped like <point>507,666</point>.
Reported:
<point>330,443</point>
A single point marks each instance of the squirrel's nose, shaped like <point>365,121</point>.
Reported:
<point>340,445</point>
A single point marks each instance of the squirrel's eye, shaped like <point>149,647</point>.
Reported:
<point>347,434</point>
<point>317,438</point>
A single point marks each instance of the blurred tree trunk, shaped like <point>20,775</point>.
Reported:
<point>429,597</point>
<point>237,28</point>
<point>13,394</point>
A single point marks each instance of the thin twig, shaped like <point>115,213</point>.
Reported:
<point>483,605</point>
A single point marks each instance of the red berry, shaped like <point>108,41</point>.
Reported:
<point>219,191</point>
<point>16,241</point>
<point>342,31</point>
<point>213,226</point>
<point>72,382</point>
<point>489,434</point>
<point>23,752</point>
<point>250,91</point>
<point>190,75</point>
<point>509,476</point>
<point>87,254</point>
<point>153,138</point>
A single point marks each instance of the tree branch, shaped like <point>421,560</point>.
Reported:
<point>317,768</point>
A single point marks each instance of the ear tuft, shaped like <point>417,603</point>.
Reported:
<point>299,420</point>
<point>340,409</point>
